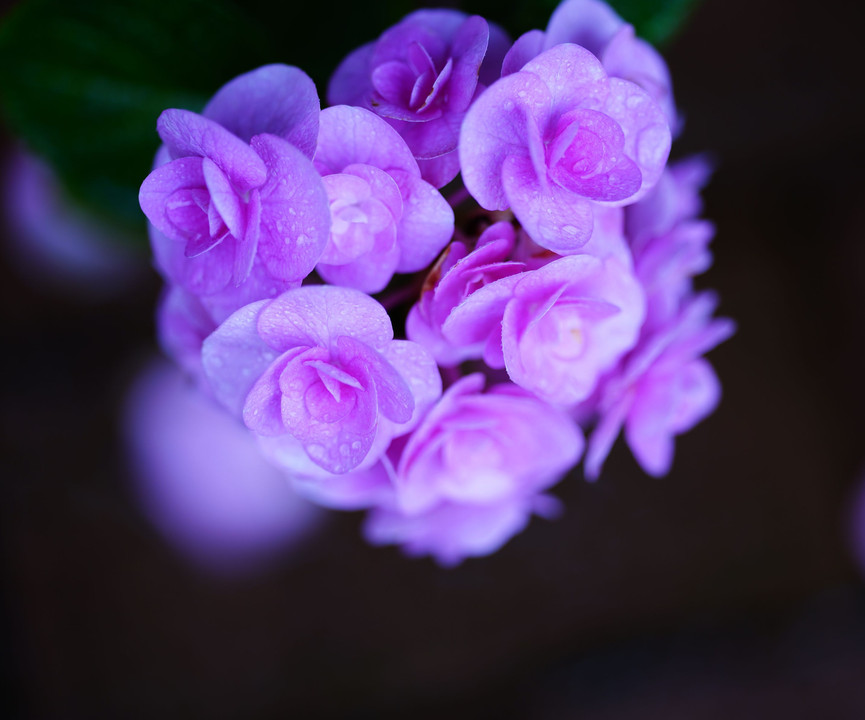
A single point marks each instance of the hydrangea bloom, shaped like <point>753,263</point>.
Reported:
<point>594,25</point>
<point>458,275</point>
<point>238,211</point>
<point>386,219</point>
<point>451,532</point>
<point>320,365</point>
<point>572,287</point>
<point>199,199</point>
<point>556,138</point>
<point>557,328</point>
<point>421,75</point>
<point>669,243</point>
<point>661,389</point>
<point>461,485</point>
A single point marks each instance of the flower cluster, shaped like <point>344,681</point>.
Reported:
<point>435,354</point>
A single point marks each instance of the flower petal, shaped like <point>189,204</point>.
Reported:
<point>352,135</point>
<point>315,315</point>
<point>189,134</point>
<point>234,357</point>
<point>295,212</point>
<point>427,222</point>
<point>555,218</point>
<point>276,99</point>
<point>497,126</point>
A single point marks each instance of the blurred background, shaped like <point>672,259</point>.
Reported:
<point>730,588</point>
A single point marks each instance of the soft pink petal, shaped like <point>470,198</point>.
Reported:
<point>497,127</point>
<point>262,411</point>
<point>370,272</point>
<point>234,357</point>
<point>315,315</point>
<point>570,73</point>
<point>480,314</point>
<point>352,135</point>
<point>427,222</point>
<point>295,212</point>
<point>603,437</point>
<point>647,134</point>
<point>336,434</point>
<point>417,368</point>
<point>555,218</point>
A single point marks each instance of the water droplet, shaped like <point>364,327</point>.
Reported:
<point>315,451</point>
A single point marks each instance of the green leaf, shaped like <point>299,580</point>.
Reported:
<point>655,20</point>
<point>83,83</point>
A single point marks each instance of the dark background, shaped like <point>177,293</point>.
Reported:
<point>726,589</point>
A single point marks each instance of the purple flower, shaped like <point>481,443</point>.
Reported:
<point>661,389</point>
<point>182,324</point>
<point>674,200</point>
<point>670,245</point>
<point>238,211</point>
<point>557,138</point>
<point>461,484</point>
<point>385,218</point>
<point>203,482</point>
<point>457,276</point>
<point>595,26</point>
<point>421,75</point>
<point>559,327</point>
<point>318,367</point>
<point>451,532</point>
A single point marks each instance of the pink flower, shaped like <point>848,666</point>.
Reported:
<point>318,366</point>
<point>471,473</point>
<point>558,138</point>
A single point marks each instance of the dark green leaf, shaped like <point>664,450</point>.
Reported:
<point>655,20</point>
<point>83,83</point>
